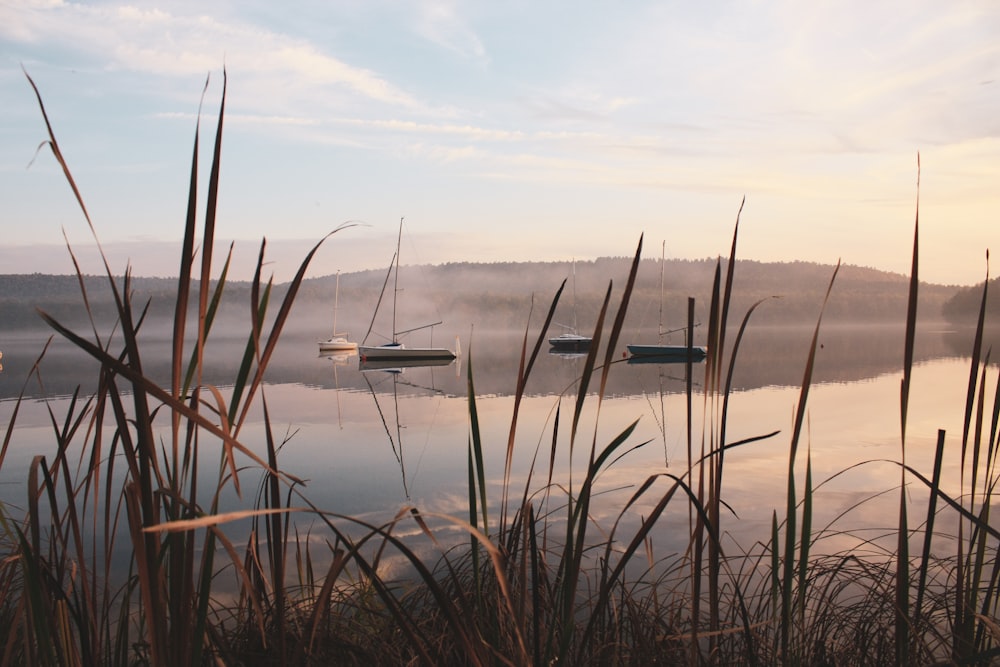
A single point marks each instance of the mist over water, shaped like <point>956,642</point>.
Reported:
<point>768,356</point>
<point>370,442</point>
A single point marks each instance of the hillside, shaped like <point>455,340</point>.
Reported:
<point>962,309</point>
<point>502,294</point>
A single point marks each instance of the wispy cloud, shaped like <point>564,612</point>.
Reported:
<point>440,23</point>
<point>155,42</point>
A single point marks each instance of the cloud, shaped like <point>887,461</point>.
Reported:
<point>155,42</point>
<point>439,129</point>
<point>820,106</point>
<point>439,23</point>
<point>155,258</point>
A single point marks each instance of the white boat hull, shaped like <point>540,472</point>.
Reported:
<point>337,344</point>
<point>399,352</point>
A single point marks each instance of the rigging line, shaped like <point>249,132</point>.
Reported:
<point>659,326</point>
<point>399,433</point>
<point>385,424</point>
<point>395,280</point>
<point>378,303</point>
<point>427,435</point>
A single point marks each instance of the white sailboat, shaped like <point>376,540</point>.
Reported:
<point>337,342</point>
<point>395,350</point>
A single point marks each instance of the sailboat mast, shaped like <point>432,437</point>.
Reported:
<point>395,280</point>
<point>659,327</point>
<point>336,304</point>
<point>575,330</point>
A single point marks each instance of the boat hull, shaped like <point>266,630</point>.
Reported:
<point>402,353</point>
<point>570,343</point>
<point>667,352</point>
<point>337,345</point>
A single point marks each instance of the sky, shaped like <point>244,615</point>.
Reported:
<point>505,131</point>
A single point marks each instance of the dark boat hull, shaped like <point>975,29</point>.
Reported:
<point>666,353</point>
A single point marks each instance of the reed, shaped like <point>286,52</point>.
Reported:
<point>539,580</point>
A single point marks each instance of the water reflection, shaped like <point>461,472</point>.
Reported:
<point>338,358</point>
<point>342,417</point>
<point>400,365</point>
<point>395,441</point>
<point>386,378</point>
<point>769,357</point>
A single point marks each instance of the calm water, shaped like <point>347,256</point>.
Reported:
<point>371,442</point>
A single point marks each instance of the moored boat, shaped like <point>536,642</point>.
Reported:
<point>399,352</point>
<point>337,342</point>
<point>394,349</point>
<point>571,341</point>
<point>661,352</point>
<point>652,352</point>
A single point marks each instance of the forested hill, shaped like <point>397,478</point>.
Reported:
<point>501,294</point>
<point>964,306</point>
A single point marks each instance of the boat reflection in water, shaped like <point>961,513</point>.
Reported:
<point>553,352</point>
<point>377,371</point>
<point>397,365</point>
<point>339,358</point>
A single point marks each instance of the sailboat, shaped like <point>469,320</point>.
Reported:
<point>394,350</point>
<point>661,352</point>
<point>571,341</point>
<point>337,342</point>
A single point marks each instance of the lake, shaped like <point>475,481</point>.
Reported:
<point>369,443</point>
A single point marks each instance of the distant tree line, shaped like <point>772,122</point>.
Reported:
<point>502,294</point>
<point>62,297</point>
<point>962,309</point>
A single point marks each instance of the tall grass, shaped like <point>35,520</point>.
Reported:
<point>539,580</point>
